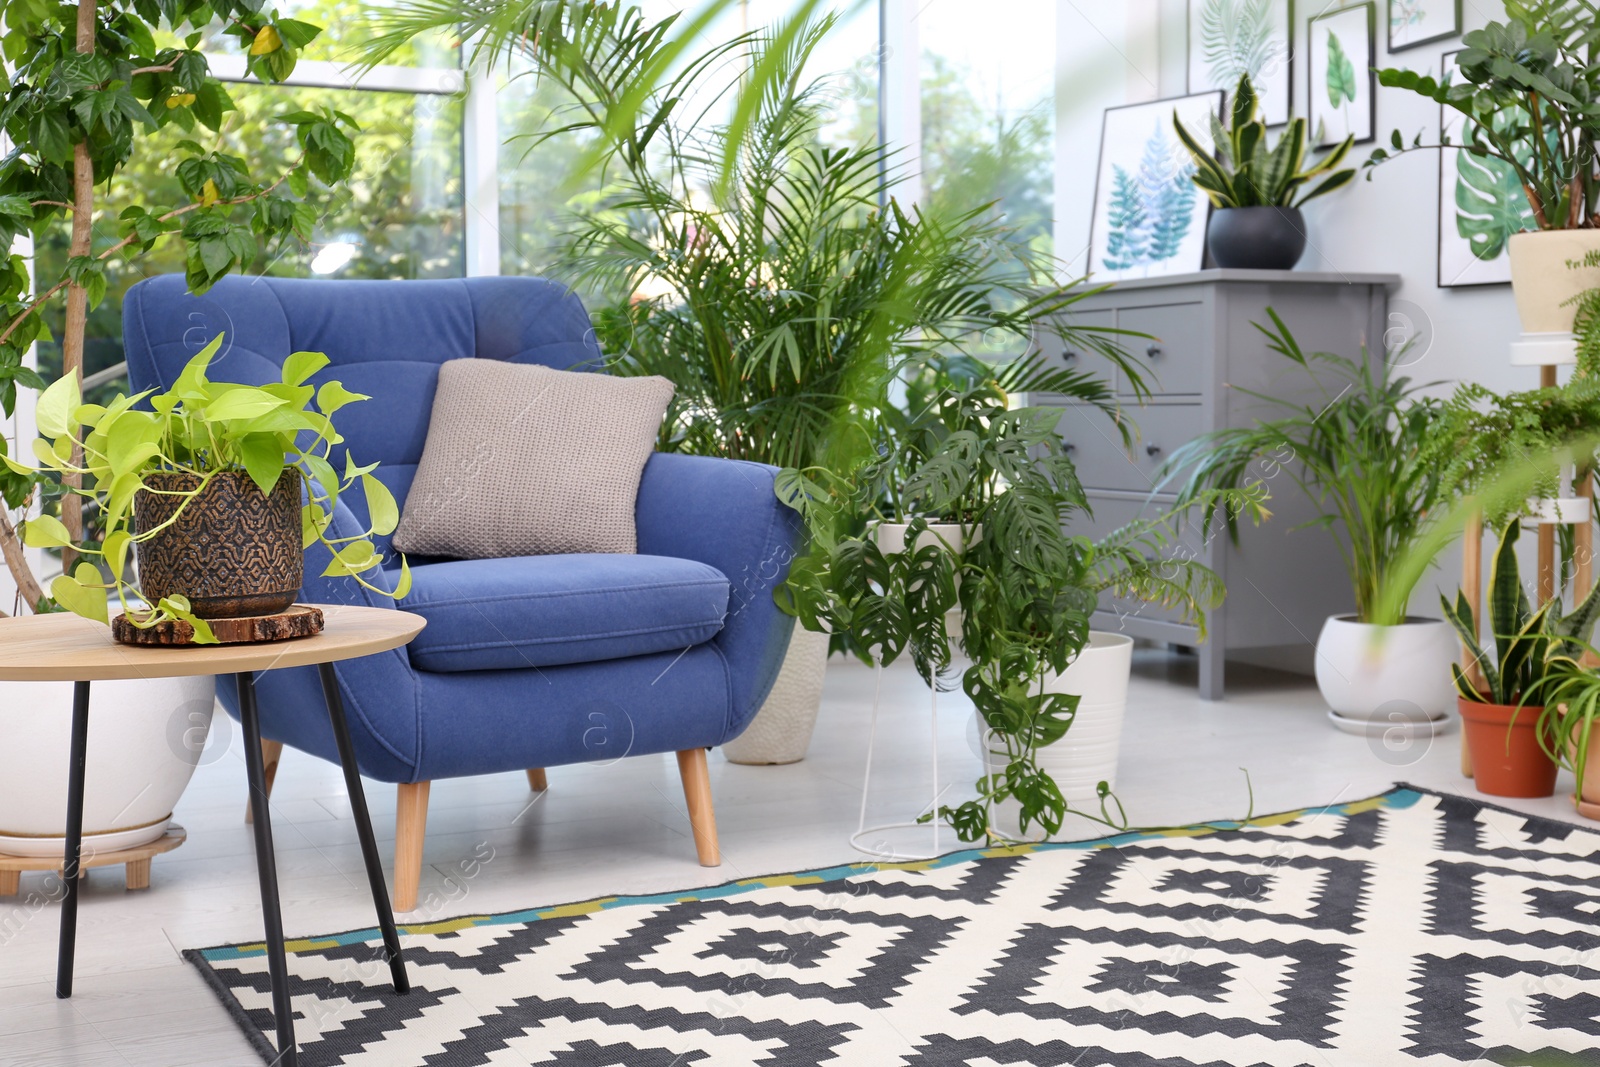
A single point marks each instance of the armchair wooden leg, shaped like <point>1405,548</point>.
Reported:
<point>410,825</point>
<point>702,816</point>
<point>537,780</point>
<point>271,753</point>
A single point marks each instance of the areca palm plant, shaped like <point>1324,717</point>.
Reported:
<point>781,295</point>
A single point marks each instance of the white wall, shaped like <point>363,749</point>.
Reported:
<point>1123,53</point>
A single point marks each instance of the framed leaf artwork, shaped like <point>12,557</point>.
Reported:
<point>1228,38</point>
<point>1149,216</point>
<point>1481,203</point>
<point>1416,22</point>
<point>1342,88</point>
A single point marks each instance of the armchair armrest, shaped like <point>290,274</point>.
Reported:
<point>725,514</point>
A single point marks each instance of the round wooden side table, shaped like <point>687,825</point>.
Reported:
<point>67,648</point>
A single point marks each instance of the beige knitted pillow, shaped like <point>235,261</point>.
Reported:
<point>522,460</point>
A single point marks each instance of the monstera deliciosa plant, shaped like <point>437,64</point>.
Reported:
<point>203,430</point>
<point>83,84</point>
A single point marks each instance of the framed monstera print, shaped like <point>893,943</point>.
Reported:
<point>1228,38</point>
<point>1481,204</point>
<point>1149,216</point>
<point>1341,91</point>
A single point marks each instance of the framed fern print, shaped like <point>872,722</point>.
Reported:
<point>1228,38</point>
<point>1341,86</point>
<point>1416,22</point>
<point>1481,204</point>
<point>1149,216</point>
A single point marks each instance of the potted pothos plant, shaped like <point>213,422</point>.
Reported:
<point>1530,94</point>
<point>1025,588</point>
<point>1257,189</point>
<point>1503,695</point>
<point>209,463</point>
<point>1360,445</point>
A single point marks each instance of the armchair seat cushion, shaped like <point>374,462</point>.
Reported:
<point>543,611</point>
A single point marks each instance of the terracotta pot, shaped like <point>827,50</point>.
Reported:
<point>1507,760</point>
<point>233,551</point>
<point>1542,282</point>
<point>1587,797</point>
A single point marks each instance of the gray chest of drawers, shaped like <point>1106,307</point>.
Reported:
<point>1282,581</point>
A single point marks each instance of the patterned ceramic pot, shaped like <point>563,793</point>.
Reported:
<point>233,551</point>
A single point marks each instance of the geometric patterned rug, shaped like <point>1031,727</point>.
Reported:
<point>1414,928</point>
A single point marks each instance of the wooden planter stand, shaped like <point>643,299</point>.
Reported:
<point>137,861</point>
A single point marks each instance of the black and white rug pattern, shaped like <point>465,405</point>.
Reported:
<point>1413,928</point>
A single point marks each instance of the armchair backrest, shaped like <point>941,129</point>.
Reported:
<point>384,338</point>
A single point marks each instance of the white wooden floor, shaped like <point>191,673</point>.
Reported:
<point>604,830</point>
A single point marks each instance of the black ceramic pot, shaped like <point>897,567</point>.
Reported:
<point>232,552</point>
<point>1256,238</point>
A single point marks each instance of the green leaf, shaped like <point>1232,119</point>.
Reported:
<point>115,548</point>
<point>1341,73</point>
<point>353,558</point>
<point>1491,205</point>
<point>382,511</point>
<point>322,475</point>
<point>242,402</point>
<point>45,531</point>
<point>53,413</point>
<point>403,585</point>
<point>333,396</point>
<point>81,599</point>
<point>263,454</point>
<point>302,365</point>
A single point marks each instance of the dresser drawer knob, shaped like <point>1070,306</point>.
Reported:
<point>1068,447</point>
<point>1152,450</point>
<point>1153,351</point>
<point>1069,356</point>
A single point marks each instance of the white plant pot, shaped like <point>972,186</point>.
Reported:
<point>781,730</point>
<point>1088,754</point>
<point>891,538</point>
<point>1562,510</point>
<point>1369,673</point>
<point>145,738</point>
<point>1542,282</point>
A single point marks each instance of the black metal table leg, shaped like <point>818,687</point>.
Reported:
<point>267,869</point>
<point>369,844</point>
<point>73,857</point>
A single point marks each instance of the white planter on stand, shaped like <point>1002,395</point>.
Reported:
<point>1088,754</point>
<point>781,730</point>
<point>1543,285</point>
<point>145,738</point>
<point>1378,679</point>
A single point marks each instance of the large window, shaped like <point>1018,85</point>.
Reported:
<point>399,216</point>
<point>988,110</point>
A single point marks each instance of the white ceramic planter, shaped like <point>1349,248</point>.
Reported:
<point>1367,672</point>
<point>781,730</point>
<point>891,538</point>
<point>1088,754</point>
<point>1542,282</point>
<point>1564,510</point>
<point>145,738</point>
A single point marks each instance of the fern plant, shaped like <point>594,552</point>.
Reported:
<point>1242,170</point>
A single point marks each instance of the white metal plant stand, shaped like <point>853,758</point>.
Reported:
<point>876,840</point>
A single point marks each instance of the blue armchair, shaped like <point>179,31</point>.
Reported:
<point>526,662</point>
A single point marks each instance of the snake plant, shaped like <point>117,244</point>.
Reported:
<point>1529,642</point>
<point>1240,170</point>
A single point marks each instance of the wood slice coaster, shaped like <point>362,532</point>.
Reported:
<point>298,620</point>
<point>136,859</point>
